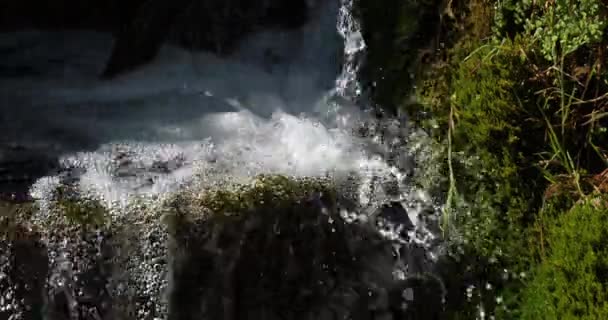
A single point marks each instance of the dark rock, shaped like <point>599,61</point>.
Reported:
<point>395,214</point>
<point>417,260</point>
<point>140,40</point>
<point>417,298</point>
<point>292,262</point>
<point>212,25</point>
<point>296,260</point>
<point>395,32</point>
<point>23,274</point>
<point>142,26</point>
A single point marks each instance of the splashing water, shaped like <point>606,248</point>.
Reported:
<point>149,132</point>
<point>285,103</point>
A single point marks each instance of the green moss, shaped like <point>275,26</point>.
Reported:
<point>483,98</point>
<point>489,106</point>
<point>511,103</point>
<point>66,207</point>
<point>477,100</point>
<point>572,281</point>
<point>475,97</point>
<point>79,211</point>
<point>83,212</point>
<point>13,217</point>
<point>235,200</point>
<point>264,191</point>
<point>480,100</point>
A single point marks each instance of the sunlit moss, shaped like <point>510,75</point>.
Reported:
<point>264,191</point>
<point>78,210</point>
<point>521,133</point>
<point>572,280</point>
<point>234,200</point>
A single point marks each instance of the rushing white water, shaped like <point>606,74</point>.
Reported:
<point>285,102</point>
<point>188,109</point>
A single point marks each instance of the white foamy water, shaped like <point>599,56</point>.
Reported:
<point>268,108</point>
<point>286,102</point>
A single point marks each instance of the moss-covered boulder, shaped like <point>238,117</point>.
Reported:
<point>572,280</point>
<point>280,248</point>
<point>77,234</point>
<point>275,248</point>
<point>66,257</point>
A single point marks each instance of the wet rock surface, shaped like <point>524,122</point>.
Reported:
<point>228,257</point>
<point>23,264</point>
<point>297,260</point>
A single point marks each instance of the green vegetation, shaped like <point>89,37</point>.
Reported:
<point>229,200</point>
<point>233,200</point>
<point>273,190</point>
<point>66,209</point>
<point>515,97</point>
<point>80,211</point>
<point>571,282</point>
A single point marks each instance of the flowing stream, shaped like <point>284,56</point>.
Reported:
<point>287,102</point>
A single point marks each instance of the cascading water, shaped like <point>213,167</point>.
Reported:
<point>193,120</point>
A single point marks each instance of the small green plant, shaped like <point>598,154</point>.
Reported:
<point>563,26</point>
<point>483,117</point>
<point>559,26</point>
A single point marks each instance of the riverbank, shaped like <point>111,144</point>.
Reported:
<point>515,96</point>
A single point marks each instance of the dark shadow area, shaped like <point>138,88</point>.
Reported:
<point>142,26</point>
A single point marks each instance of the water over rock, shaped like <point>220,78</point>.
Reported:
<point>147,230</point>
<point>274,248</point>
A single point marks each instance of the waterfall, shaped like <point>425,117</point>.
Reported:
<point>285,103</point>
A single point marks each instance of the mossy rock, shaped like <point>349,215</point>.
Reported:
<point>67,207</point>
<point>42,231</point>
<point>494,91</point>
<point>572,280</point>
<point>13,217</point>
<point>83,212</point>
<point>70,211</point>
<point>275,248</point>
<point>238,199</point>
